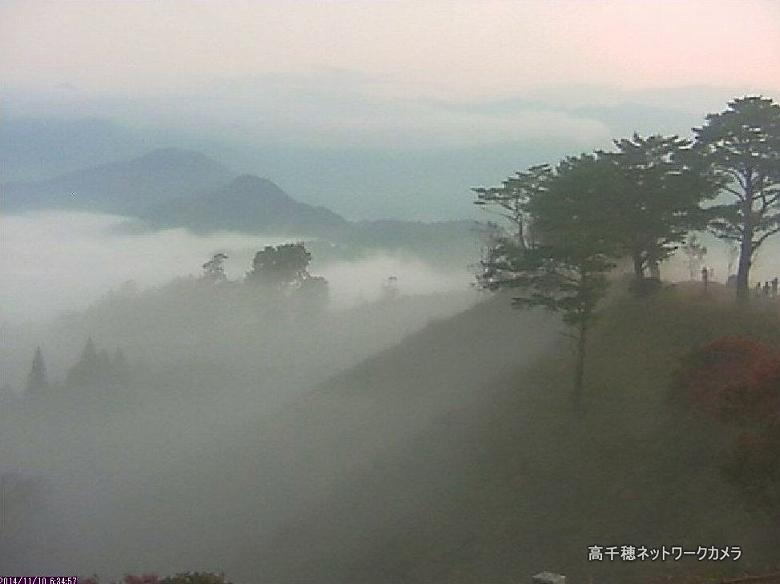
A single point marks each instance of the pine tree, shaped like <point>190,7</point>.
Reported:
<point>512,197</point>
<point>578,238</point>
<point>741,146</point>
<point>661,189</point>
<point>88,368</point>
<point>214,269</point>
<point>37,380</point>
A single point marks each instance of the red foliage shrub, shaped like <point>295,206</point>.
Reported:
<point>738,380</point>
<point>734,378</point>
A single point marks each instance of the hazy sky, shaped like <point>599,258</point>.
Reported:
<point>454,49</point>
<point>394,89</point>
<point>380,73</point>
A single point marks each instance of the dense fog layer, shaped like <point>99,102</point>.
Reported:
<point>149,366</point>
<point>54,262</point>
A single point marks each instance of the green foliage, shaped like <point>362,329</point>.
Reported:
<point>513,196</point>
<point>741,147</point>
<point>280,266</point>
<point>565,269</point>
<point>661,188</point>
<point>695,253</point>
<point>89,368</point>
<point>98,367</point>
<point>283,271</point>
<point>37,380</point>
<point>214,269</point>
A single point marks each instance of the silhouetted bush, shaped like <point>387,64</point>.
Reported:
<point>737,381</point>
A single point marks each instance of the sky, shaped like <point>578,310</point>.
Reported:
<point>452,50</point>
<point>424,97</point>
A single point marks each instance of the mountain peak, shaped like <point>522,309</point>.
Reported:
<point>176,157</point>
<point>252,180</point>
<point>125,187</point>
<point>250,204</point>
<point>250,184</point>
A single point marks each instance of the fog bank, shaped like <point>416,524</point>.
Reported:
<point>55,262</point>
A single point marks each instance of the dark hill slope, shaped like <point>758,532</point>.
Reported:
<point>125,187</point>
<point>181,188</point>
<point>254,482</point>
<point>249,204</point>
<point>451,457</point>
<point>445,460</point>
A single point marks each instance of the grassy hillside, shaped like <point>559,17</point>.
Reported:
<point>227,503</point>
<point>452,457</point>
<point>513,483</point>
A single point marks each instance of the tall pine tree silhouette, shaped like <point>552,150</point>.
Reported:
<point>87,368</point>
<point>37,381</point>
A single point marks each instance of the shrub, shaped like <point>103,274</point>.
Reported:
<point>733,378</point>
<point>737,380</point>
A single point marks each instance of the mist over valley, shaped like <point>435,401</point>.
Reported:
<point>414,292</point>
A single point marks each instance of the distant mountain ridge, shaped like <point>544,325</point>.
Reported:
<point>172,187</point>
<point>248,204</point>
<point>125,188</point>
<point>36,149</point>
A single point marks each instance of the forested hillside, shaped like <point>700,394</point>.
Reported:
<point>485,474</point>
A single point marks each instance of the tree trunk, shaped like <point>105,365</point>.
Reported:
<point>743,271</point>
<point>655,269</point>
<point>520,233</point>
<point>639,266</point>
<point>746,246</point>
<point>579,371</point>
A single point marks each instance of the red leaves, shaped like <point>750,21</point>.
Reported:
<point>738,380</point>
<point>734,378</point>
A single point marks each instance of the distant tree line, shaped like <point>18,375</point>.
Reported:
<point>570,224</point>
<point>282,268</point>
<point>279,273</point>
<point>93,367</point>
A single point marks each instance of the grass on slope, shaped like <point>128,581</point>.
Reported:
<point>518,484</point>
<point>634,470</point>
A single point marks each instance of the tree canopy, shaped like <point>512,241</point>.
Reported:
<point>282,265</point>
<point>741,147</point>
<point>660,195</point>
<point>565,269</point>
<point>37,380</point>
<point>513,196</point>
<point>214,269</point>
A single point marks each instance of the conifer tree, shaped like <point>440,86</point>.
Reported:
<point>741,146</point>
<point>37,380</point>
<point>565,269</point>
